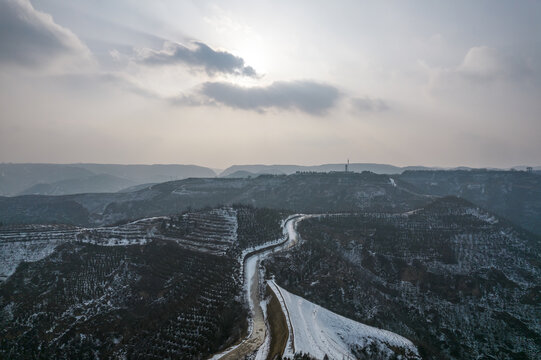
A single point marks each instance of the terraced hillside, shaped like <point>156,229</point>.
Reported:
<point>157,288</point>
<point>515,195</point>
<point>457,281</point>
<point>150,301</point>
<point>20,243</point>
<point>304,192</point>
<point>214,230</point>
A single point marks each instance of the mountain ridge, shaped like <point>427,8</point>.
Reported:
<point>21,178</point>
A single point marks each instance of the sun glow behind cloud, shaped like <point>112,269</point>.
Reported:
<point>242,39</point>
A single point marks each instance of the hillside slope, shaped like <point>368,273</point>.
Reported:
<point>168,287</point>
<point>90,184</point>
<point>313,192</point>
<point>456,280</point>
<point>291,169</point>
<point>515,195</point>
<point>61,179</point>
<point>320,332</point>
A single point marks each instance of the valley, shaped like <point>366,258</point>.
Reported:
<point>355,266</point>
<point>270,180</point>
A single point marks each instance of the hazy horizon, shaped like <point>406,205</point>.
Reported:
<point>272,82</point>
<point>284,164</point>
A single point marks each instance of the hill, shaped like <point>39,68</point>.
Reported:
<point>168,287</point>
<point>239,174</point>
<point>90,184</point>
<point>320,332</point>
<point>456,280</point>
<point>291,169</point>
<point>15,178</point>
<point>515,195</point>
<point>150,173</point>
<point>311,192</point>
<point>79,178</point>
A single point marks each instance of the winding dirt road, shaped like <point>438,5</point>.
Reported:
<point>259,328</point>
<point>251,278</point>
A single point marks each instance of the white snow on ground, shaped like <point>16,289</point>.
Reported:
<point>320,332</point>
<point>13,253</point>
<point>481,215</point>
<point>34,242</point>
<point>251,268</point>
<point>117,236</point>
<point>393,183</point>
<point>29,243</point>
<point>213,231</point>
<point>138,232</point>
<point>116,241</point>
<point>250,263</point>
<point>149,220</point>
<point>263,351</point>
<point>229,215</point>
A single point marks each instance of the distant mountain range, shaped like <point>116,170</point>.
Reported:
<point>89,184</point>
<point>65,179</point>
<point>515,195</point>
<point>306,192</point>
<point>255,170</point>
<point>243,171</point>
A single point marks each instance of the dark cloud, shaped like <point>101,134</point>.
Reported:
<point>307,96</point>
<point>367,104</point>
<point>201,56</point>
<point>29,37</point>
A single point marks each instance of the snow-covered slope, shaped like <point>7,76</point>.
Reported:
<point>319,332</point>
<point>213,231</point>
<point>29,243</point>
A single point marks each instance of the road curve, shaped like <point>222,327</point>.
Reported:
<point>258,328</point>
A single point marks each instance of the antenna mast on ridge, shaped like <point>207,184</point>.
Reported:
<point>347,165</point>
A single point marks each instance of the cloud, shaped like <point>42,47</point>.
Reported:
<point>367,104</point>
<point>481,62</point>
<point>31,38</point>
<point>201,56</point>
<point>482,65</point>
<point>306,96</point>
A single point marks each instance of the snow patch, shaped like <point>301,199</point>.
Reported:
<point>12,253</point>
<point>481,215</point>
<point>320,332</point>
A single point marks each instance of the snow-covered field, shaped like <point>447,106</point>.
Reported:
<point>320,332</point>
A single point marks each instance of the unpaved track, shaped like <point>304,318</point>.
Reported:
<point>259,329</point>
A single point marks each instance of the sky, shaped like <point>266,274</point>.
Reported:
<point>454,83</point>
